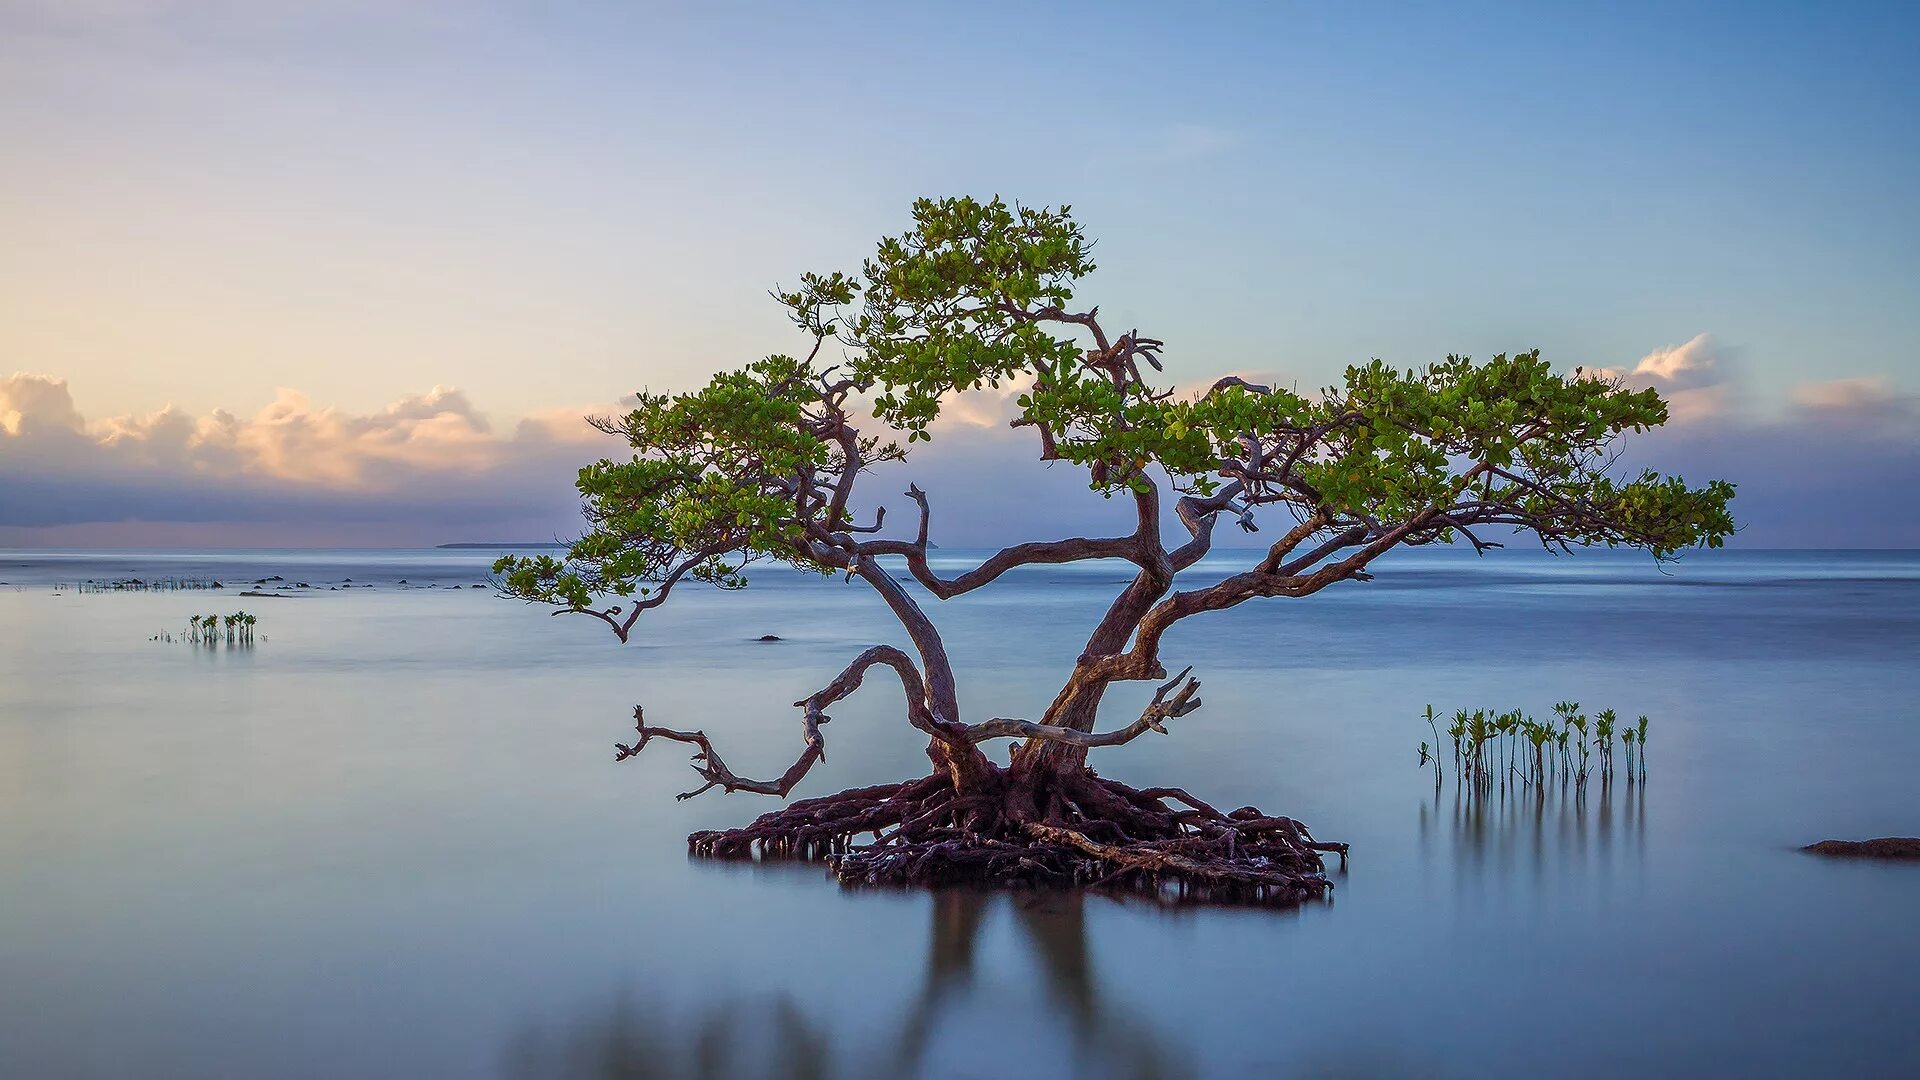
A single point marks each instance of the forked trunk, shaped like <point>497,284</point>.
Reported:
<point>1077,706</point>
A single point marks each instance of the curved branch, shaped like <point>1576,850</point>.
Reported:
<point>1073,549</point>
<point>622,627</point>
<point>1198,515</point>
<point>707,761</point>
<point>1227,381</point>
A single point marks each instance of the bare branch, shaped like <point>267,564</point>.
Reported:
<point>1073,549</point>
<point>1162,708</point>
<point>1235,380</point>
<point>707,761</point>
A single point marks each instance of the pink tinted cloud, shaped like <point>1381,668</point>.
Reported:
<point>431,468</point>
<point>428,464</point>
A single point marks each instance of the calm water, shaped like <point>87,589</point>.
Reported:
<point>390,839</point>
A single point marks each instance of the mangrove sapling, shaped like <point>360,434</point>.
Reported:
<point>1473,731</point>
<point>1574,723</point>
<point>764,464</point>
<point>1603,738</point>
<point>1538,735</point>
<point>236,629</point>
<point>1434,756</point>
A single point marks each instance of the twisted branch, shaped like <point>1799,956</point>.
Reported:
<point>1160,709</point>
<point>707,761</point>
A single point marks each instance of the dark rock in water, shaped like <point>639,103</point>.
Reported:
<point>769,637</point>
<point>403,581</point>
<point>276,577</point>
<point>346,581</point>
<point>476,586</point>
<point>217,585</point>
<point>1886,847</point>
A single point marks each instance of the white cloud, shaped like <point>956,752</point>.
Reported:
<point>429,465</point>
<point>1861,400</point>
<point>430,468</point>
<point>1690,376</point>
<point>33,405</point>
<point>439,432</point>
<point>988,407</point>
<point>1689,364</point>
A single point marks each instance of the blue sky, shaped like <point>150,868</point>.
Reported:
<point>302,214</point>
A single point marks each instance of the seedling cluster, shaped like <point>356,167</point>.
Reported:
<point>234,629</point>
<point>1501,750</point>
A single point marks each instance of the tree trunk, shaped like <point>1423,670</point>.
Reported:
<point>964,765</point>
<point>1077,706</point>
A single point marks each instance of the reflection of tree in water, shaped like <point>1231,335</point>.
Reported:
<point>1054,928</point>
<point>1540,826</point>
<point>771,1036</point>
<point>735,1037</point>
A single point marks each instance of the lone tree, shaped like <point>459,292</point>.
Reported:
<point>764,463</point>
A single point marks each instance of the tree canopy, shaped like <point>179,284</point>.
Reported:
<point>762,462</point>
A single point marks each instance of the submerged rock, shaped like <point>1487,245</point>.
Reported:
<point>1885,847</point>
<point>768,637</point>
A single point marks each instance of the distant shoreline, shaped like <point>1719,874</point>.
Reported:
<point>495,547</point>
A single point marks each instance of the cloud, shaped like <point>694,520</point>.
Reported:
<point>1831,468</point>
<point>988,407</point>
<point>426,465</point>
<point>33,405</point>
<point>1856,401</point>
<point>1685,366</point>
<point>1690,376</point>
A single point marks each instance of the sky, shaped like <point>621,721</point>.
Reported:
<point>351,272</point>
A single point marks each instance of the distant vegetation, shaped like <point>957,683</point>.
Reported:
<point>234,629</point>
<point>166,584</point>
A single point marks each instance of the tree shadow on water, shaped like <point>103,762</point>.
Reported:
<point>772,1035</point>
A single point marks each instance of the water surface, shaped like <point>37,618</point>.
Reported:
<point>390,839</point>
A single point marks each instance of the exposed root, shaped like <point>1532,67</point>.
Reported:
<point>1089,832</point>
